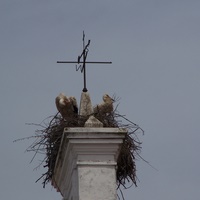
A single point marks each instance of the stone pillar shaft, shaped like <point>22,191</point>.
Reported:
<point>86,163</point>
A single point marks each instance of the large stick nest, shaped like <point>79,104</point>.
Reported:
<point>48,139</point>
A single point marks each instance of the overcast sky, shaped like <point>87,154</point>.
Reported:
<point>154,46</point>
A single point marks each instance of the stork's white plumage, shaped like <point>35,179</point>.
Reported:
<point>106,106</point>
<point>66,106</point>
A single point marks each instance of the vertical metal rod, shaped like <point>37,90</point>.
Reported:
<point>83,40</point>
<point>84,89</point>
<point>84,67</point>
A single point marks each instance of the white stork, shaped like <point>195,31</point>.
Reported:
<point>67,106</point>
<point>106,106</point>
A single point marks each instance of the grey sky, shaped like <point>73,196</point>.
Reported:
<point>154,47</point>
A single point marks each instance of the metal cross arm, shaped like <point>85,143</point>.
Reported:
<point>88,62</point>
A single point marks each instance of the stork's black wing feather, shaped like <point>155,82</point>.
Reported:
<point>75,109</point>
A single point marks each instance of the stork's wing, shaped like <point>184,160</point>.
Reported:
<point>75,109</point>
<point>74,104</point>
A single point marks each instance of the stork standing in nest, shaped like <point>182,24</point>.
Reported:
<point>67,106</point>
<point>106,106</point>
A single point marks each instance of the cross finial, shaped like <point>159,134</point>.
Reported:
<point>82,66</point>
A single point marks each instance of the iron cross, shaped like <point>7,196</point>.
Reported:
<point>82,66</point>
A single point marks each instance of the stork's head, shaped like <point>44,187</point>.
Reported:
<point>63,100</point>
<point>61,95</point>
<point>107,98</point>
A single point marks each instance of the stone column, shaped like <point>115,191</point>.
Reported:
<point>86,163</point>
<point>85,104</point>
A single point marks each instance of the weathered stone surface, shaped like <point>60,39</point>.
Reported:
<point>93,122</point>
<point>97,182</point>
<point>85,105</point>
